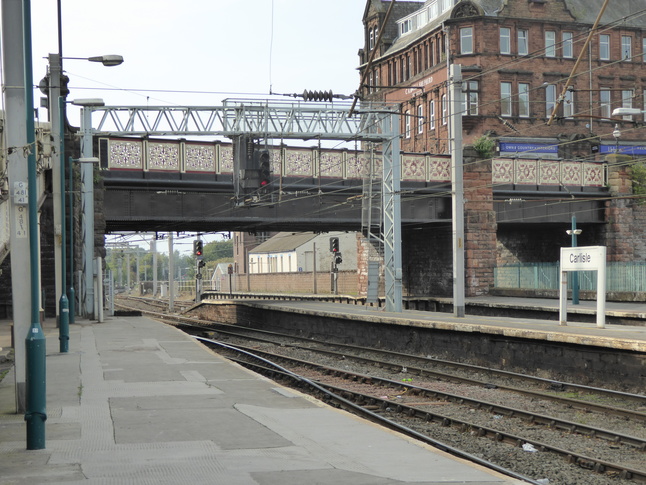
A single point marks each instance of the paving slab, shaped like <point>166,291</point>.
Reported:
<point>135,401</point>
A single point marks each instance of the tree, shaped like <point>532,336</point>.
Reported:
<point>218,250</point>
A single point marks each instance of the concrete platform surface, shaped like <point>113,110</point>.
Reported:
<point>135,402</point>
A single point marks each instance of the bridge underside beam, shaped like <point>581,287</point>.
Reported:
<point>549,211</point>
<point>150,210</point>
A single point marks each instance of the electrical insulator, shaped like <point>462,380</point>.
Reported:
<point>317,95</point>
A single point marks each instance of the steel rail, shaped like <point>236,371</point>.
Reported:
<point>534,418</point>
<point>575,403</point>
<point>349,397</point>
<point>347,404</point>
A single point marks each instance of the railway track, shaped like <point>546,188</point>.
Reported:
<point>607,450</point>
<point>365,395</point>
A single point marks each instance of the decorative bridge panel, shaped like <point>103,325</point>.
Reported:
<point>217,157</point>
<point>507,171</point>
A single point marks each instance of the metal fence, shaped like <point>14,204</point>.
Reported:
<point>630,277</point>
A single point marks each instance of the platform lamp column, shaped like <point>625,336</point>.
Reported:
<point>35,347</point>
<point>574,232</point>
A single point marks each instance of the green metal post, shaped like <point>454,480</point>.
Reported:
<point>63,303</point>
<point>575,274</point>
<point>35,409</point>
<point>71,292</point>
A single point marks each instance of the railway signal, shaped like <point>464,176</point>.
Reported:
<point>264,169</point>
<point>334,244</point>
<point>198,248</point>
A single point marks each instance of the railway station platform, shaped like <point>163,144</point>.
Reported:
<point>136,401</point>
<point>615,336</point>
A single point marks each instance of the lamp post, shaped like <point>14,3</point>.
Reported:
<point>86,295</point>
<point>53,85</point>
<point>574,232</point>
<point>617,134</point>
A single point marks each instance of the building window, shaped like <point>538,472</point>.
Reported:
<point>445,110</point>
<point>505,40</point>
<point>466,40</point>
<point>627,101</point>
<point>604,47</point>
<point>568,103</point>
<point>505,99</point>
<point>406,26</point>
<point>566,44</point>
<point>523,100</point>
<point>644,49</point>
<point>550,43</point>
<point>470,100</point>
<point>420,118</point>
<point>371,43</point>
<point>523,42</point>
<point>431,115</point>
<point>626,47</point>
<point>605,103</point>
<point>407,124</point>
<point>550,99</point>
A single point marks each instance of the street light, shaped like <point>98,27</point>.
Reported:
<point>86,296</point>
<point>55,85</point>
<point>626,112</point>
<point>107,60</point>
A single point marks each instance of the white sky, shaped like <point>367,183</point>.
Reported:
<point>225,47</point>
<point>222,48</point>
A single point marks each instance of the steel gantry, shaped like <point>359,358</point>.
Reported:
<point>264,119</point>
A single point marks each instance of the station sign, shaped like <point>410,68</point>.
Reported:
<point>584,258</point>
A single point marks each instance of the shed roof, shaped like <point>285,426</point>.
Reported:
<point>283,242</point>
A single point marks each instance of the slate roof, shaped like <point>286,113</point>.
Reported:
<point>283,242</point>
<point>584,11</point>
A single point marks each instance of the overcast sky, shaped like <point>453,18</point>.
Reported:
<point>229,48</point>
<point>218,48</point>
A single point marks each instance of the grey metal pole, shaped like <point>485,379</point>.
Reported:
<point>15,132</point>
<point>392,213</point>
<point>87,208</point>
<point>153,246</point>
<point>171,276</point>
<point>314,268</point>
<point>55,69</point>
<point>457,188</point>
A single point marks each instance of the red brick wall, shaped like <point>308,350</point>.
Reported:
<point>302,282</point>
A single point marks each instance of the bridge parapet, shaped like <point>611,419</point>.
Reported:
<point>181,156</point>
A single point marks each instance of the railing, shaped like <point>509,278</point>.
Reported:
<point>620,277</point>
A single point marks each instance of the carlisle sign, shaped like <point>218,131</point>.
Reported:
<point>584,258</point>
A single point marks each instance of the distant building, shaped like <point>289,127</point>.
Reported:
<point>289,252</point>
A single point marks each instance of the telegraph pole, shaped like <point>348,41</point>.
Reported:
<point>15,130</point>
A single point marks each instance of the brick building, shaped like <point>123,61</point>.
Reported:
<point>545,165</point>
<point>516,58</point>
